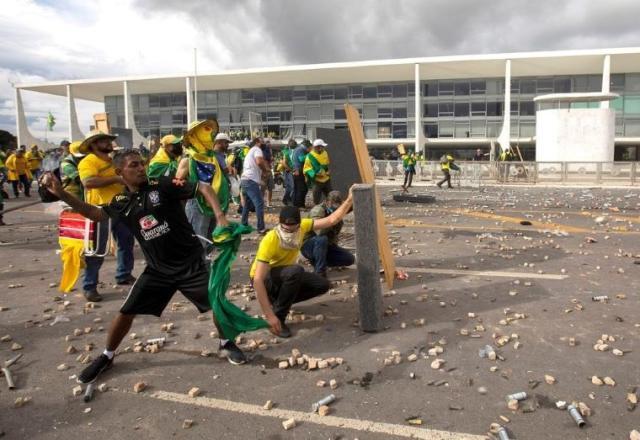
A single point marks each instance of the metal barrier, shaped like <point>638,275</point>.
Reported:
<point>530,173</point>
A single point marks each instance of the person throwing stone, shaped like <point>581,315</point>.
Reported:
<point>152,210</point>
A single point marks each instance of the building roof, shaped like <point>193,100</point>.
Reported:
<point>568,62</point>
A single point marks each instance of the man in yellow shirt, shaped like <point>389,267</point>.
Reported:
<point>18,172</point>
<point>102,184</point>
<point>277,278</point>
<point>34,158</point>
<point>316,170</point>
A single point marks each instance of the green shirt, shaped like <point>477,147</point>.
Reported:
<point>71,176</point>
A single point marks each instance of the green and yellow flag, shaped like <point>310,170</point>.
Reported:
<point>51,121</point>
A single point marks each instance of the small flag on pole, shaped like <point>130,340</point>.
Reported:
<point>51,121</point>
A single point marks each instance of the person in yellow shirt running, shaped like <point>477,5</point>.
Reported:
<point>316,170</point>
<point>34,158</point>
<point>18,172</point>
<point>102,184</point>
<point>277,278</point>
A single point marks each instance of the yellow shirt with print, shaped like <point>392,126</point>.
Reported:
<point>271,253</point>
<point>93,166</point>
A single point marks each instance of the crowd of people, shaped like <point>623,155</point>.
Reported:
<point>177,205</point>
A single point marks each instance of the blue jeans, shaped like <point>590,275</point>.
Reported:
<point>202,225</point>
<point>321,254</point>
<point>287,199</point>
<point>124,255</point>
<point>252,196</point>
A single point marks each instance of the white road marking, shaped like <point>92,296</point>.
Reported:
<point>485,273</point>
<point>308,417</point>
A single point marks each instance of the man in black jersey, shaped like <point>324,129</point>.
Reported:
<point>153,211</point>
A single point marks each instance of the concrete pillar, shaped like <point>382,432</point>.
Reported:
<point>606,79</point>
<point>125,85</point>
<point>505,135</point>
<point>368,261</point>
<point>75,134</point>
<point>20,119</point>
<point>189,101</point>
<point>418,110</point>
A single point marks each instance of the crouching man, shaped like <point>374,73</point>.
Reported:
<point>280,282</point>
<point>152,210</point>
<point>321,246</point>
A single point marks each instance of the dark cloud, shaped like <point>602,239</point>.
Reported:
<point>301,32</point>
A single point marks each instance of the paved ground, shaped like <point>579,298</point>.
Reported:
<point>473,270</point>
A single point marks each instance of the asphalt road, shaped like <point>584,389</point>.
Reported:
<point>474,268</point>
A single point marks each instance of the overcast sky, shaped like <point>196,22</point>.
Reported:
<point>69,39</point>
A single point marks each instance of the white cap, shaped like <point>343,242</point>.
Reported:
<point>222,137</point>
<point>319,143</point>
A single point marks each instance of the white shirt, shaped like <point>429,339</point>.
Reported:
<point>250,168</point>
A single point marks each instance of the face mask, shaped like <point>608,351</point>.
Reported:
<point>288,240</point>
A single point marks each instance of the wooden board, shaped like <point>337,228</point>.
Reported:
<point>101,121</point>
<point>401,150</point>
<point>366,173</point>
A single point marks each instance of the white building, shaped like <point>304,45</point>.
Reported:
<point>448,103</point>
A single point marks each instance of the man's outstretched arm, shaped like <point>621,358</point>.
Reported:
<point>91,212</point>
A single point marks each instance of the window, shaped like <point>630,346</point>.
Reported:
<point>562,85</point>
<point>313,95</point>
<point>299,95</point>
<point>384,91</point>
<point>514,108</point>
<point>462,109</point>
<point>286,95</point>
<point>285,116</point>
<point>327,111</point>
<point>461,88</point>
<point>370,131</point>
<point>478,87</point>
<point>165,100</point>
<point>178,117</point>
<point>370,111</point>
<point>431,88</point>
<point>180,99</point>
<point>527,86</point>
<point>632,82</point>
<point>527,108</point>
<point>154,119</point>
<point>400,112</point>
<point>223,98</point>
<point>355,92</point>
<point>632,127</point>
<point>445,109</point>
<point>462,130</point>
<point>515,86</point>
<point>326,93</point>
<point>494,87</point>
<point>370,92</point>
<point>339,113</point>
<point>445,88</point>
<point>234,97</point>
<point>494,108</point>
<point>445,129</point>
<point>399,130</point>
<point>617,82</point>
<point>299,112</point>
<point>144,102</point>
<point>313,113</point>
<point>273,116</point>
<point>478,128</point>
<point>431,110</point>
<point>399,91</point>
<point>259,96</point>
<point>527,129</point>
<point>273,95</point>
<point>411,89</point>
<point>341,93</point>
<point>478,109</point>
<point>385,113</point>
<point>210,99</point>
<point>431,130</point>
<point>154,101</point>
<point>544,85</point>
<point>384,129</point>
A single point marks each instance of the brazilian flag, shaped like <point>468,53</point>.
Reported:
<point>51,121</point>
<point>204,167</point>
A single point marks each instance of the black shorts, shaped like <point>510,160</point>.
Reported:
<point>153,290</point>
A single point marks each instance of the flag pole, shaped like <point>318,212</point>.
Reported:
<point>195,80</point>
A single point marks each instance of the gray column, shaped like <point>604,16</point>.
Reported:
<point>606,79</point>
<point>418,110</point>
<point>368,259</point>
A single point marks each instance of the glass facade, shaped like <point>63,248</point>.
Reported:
<point>450,108</point>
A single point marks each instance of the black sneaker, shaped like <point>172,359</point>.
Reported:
<point>285,331</point>
<point>126,281</point>
<point>92,372</point>
<point>92,295</point>
<point>234,355</point>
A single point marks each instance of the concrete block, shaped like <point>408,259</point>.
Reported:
<point>368,261</point>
